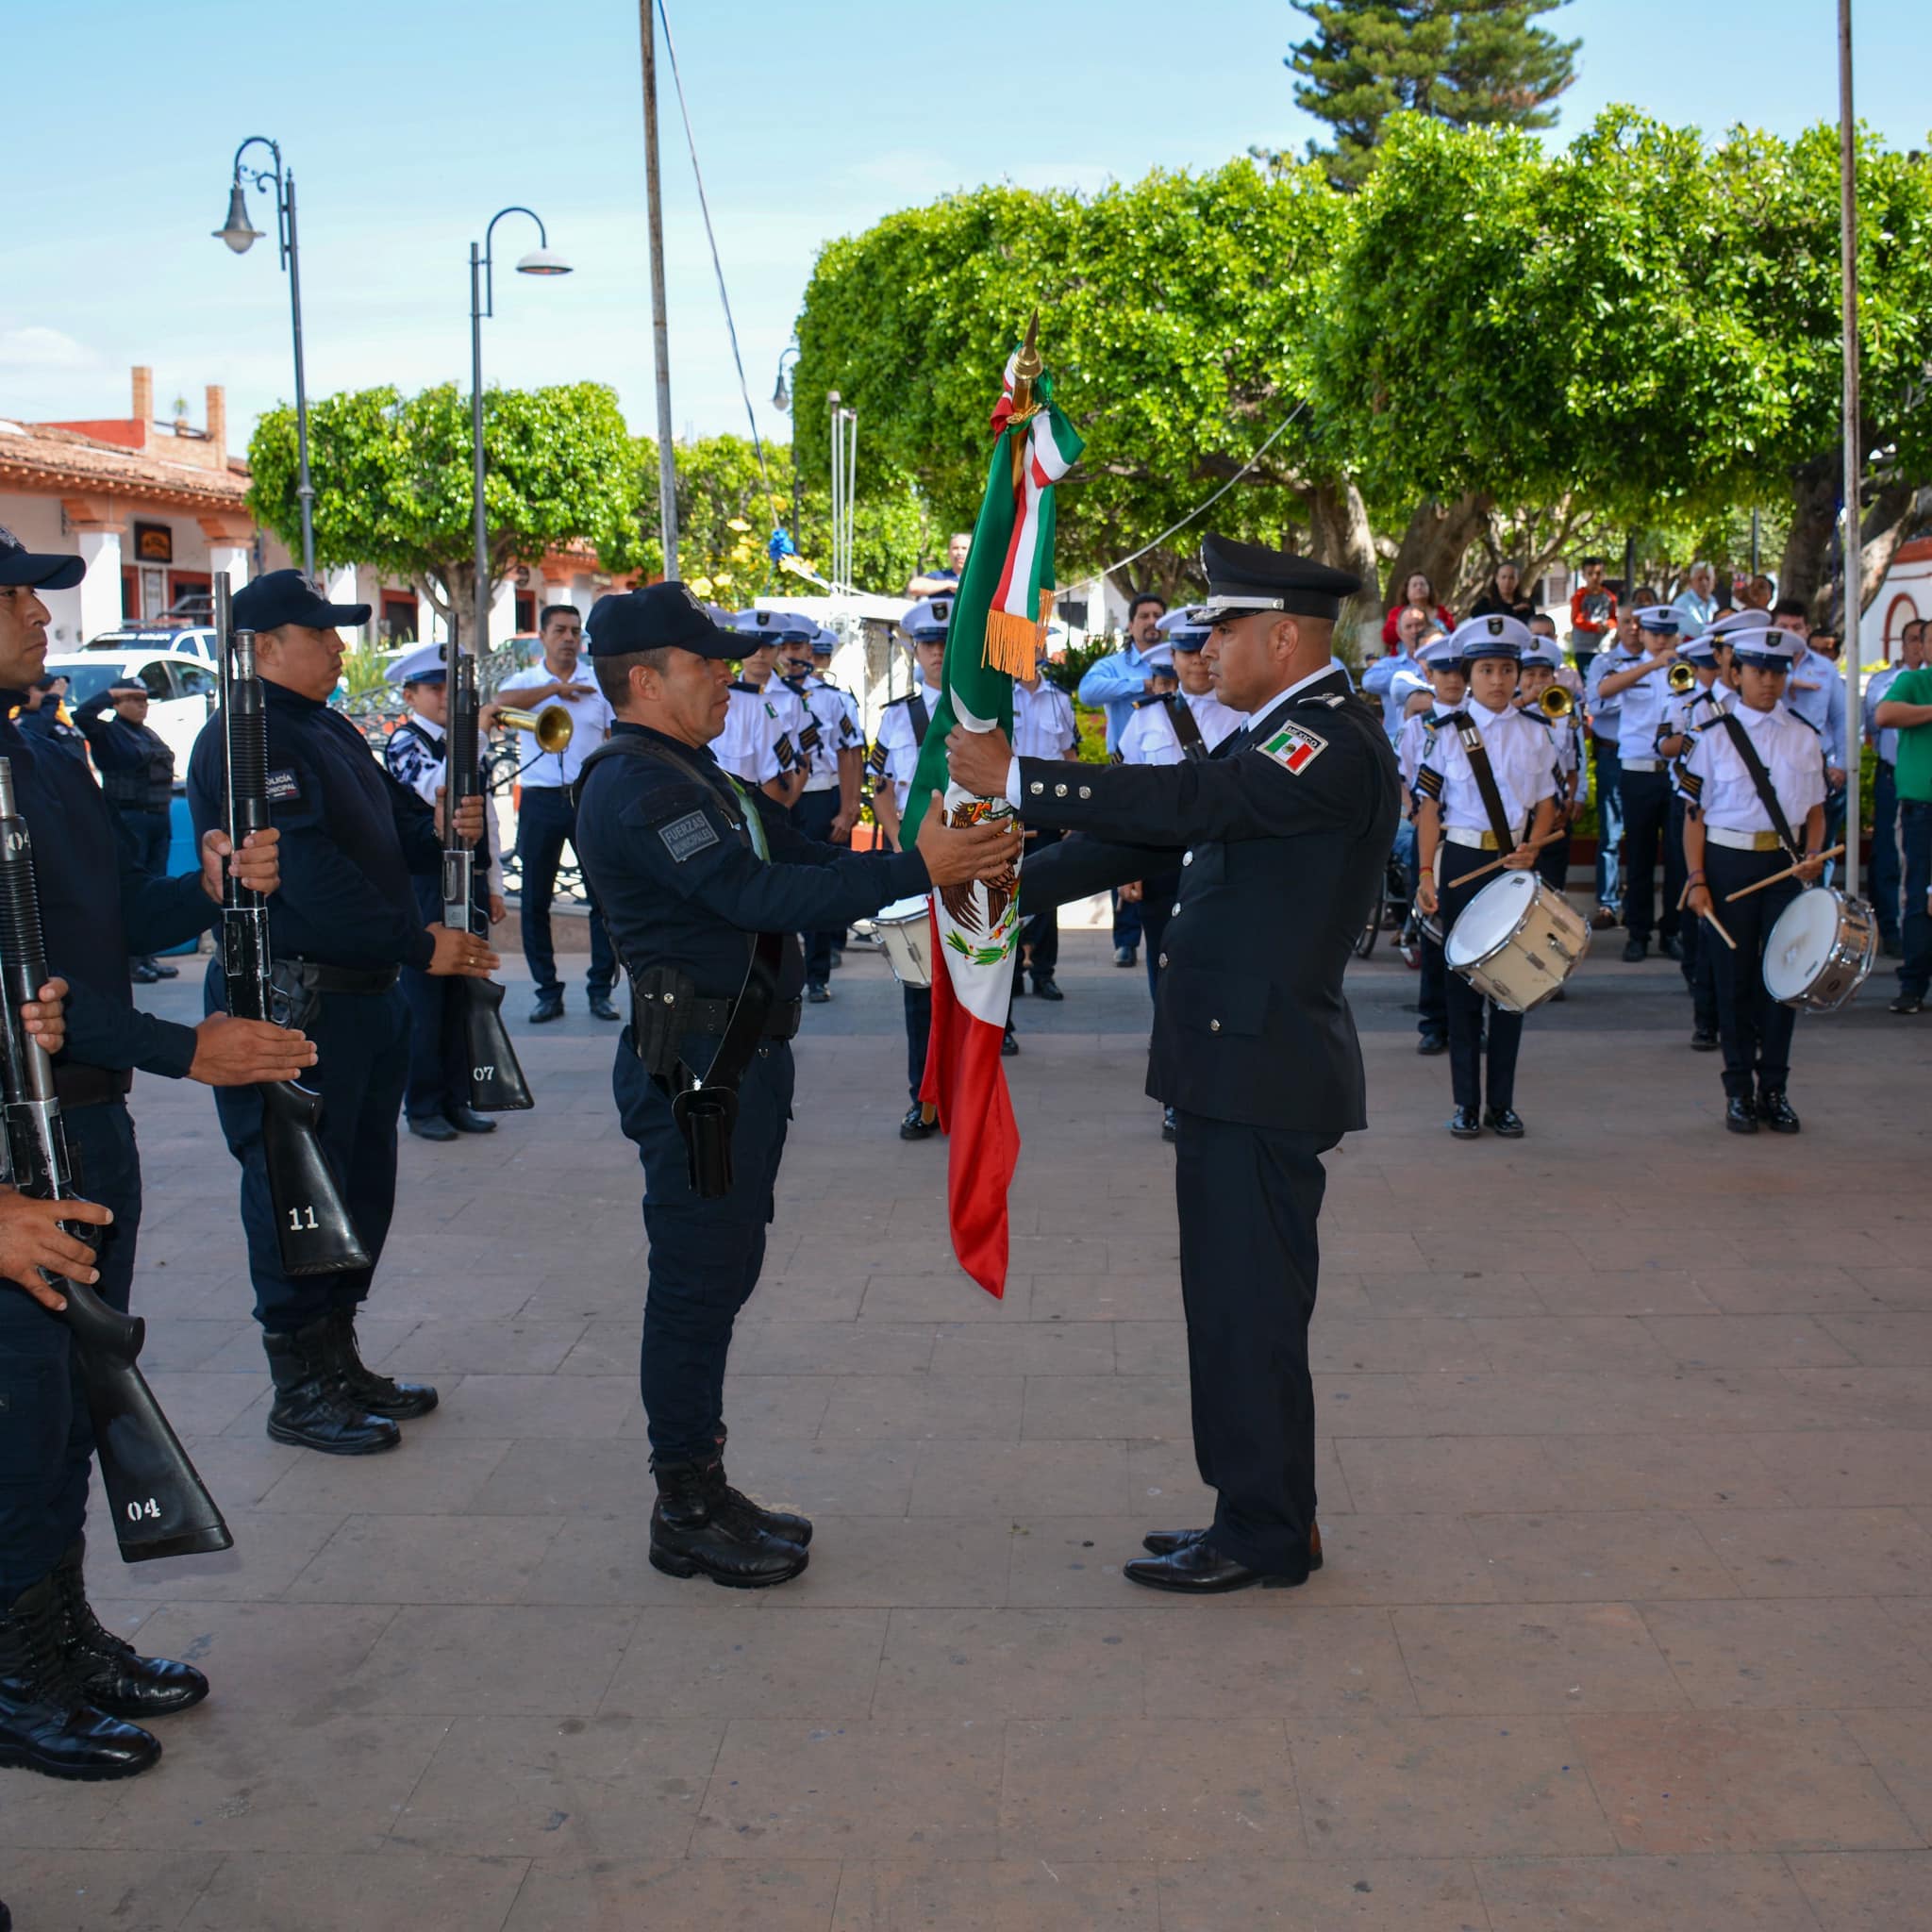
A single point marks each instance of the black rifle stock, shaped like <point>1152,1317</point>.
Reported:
<point>312,1227</point>
<point>162,1508</point>
<point>497,1078</point>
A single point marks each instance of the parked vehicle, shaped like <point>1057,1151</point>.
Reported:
<point>182,688</point>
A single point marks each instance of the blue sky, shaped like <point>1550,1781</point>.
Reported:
<point>409,125</point>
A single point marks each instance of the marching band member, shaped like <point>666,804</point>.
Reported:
<point>1685,718</point>
<point>1541,661</point>
<point>833,745</point>
<point>1043,727</point>
<point>759,743</point>
<point>1756,782</point>
<point>1636,676</point>
<point>1441,664</point>
<point>1488,786</point>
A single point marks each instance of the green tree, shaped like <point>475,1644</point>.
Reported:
<point>392,482</point>
<point>1482,63</point>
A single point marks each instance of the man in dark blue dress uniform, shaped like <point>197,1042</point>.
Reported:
<point>1284,835</point>
<point>706,884</point>
<point>343,924</point>
<point>67,1685</point>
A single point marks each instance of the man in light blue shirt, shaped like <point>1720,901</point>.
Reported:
<point>1605,716</point>
<point>1117,684</point>
<point>1696,603</point>
<point>1393,678</point>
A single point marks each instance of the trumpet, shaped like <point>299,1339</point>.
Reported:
<point>1680,677</point>
<point>1556,703</point>
<point>551,726</point>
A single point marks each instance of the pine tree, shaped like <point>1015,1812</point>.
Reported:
<point>1478,63</point>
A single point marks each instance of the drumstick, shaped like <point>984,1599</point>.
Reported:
<point>1534,845</point>
<point>1721,932</point>
<point>1758,885</point>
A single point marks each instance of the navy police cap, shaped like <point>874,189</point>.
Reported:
<point>658,617</point>
<point>1249,576</point>
<point>37,569</point>
<point>286,597</point>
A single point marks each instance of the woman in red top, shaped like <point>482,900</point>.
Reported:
<point>1422,593</point>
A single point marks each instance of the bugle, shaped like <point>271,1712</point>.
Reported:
<point>1680,677</point>
<point>1556,702</point>
<point>551,726</point>
<point>162,1508</point>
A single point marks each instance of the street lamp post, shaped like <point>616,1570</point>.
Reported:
<point>242,235</point>
<point>541,260</point>
<point>781,400</point>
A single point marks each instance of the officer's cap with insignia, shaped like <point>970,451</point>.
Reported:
<point>1768,648</point>
<point>1491,637</point>
<point>1701,649</point>
<point>424,665</point>
<point>1186,627</point>
<point>825,641</point>
<point>1664,620</point>
<point>1738,626</point>
<point>926,621</point>
<point>1444,654</point>
<point>658,617</point>
<point>1243,578</point>
<point>1542,651</point>
<point>22,568</point>
<point>286,597</point>
<point>774,627</point>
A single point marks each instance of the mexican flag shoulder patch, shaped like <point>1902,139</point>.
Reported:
<point>1294,747</point>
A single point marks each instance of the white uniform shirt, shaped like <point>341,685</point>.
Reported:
<point>754,745</point>
<point>1607,714</point>
<point>1150,738</point>
<point>416,758</point>
<point>895,751</point>
<point>1644,704</point>
<point>828,730</point>
<point>1718,781</point>
<point>1043,723</point>
<point>1563,746</point>
<point>590,718</point>
<point>1413,741</point>
<point>1521,759</point>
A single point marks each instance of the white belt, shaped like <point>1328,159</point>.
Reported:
<point>1742,842</point>
<point>1481,841</point>
<point>1642,764</point>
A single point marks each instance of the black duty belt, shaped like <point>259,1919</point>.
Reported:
<point>79,1085</point>
<point>318,977</point>
<point>713,1016</point>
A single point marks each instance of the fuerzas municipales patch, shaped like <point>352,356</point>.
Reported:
<point>281,786</point>
<point>1295,747</point>
<point>685,837</point>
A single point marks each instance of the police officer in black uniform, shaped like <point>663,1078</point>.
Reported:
<point>704,884</point>
<point>67,1686</point>
<point>345,920</point>
<point>137,770</point>
<point>1286,832</point>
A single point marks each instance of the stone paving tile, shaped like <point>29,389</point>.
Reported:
<point>1418,1345</point>
<point>268,1656</point>
<point>923,1408</point>
<point>706,1660</point>
<point>425,1559</point>
<point>1106,1407</point>
<point>622,1895</point>
<point>1583,1557</point>
<point>1816,1553</point>
<point>769,1407</point>
<point>1898,1742</point>
<point>1494,1660</point>
<point>1638,1894</point>
<point>1364,1895</point>
<point>271,1550</point>
<point>1867,1891</point>
<point>573,1405</point>
<point>835,1348</point>
<point>1803,1654</point>
<point>1755,1781</point>
<point>1748,1342</point>
<point>430,1475</point>
<point>964,1479</point>
<point>1073,1348</point>
<point>500,1659</point>
<point>296,1893</point>
<point>1890,1339</point>
<point>131,1891</point>
<point>465,1345</point>
<point>992,1896</point>
<point>1295,1657</point>
<point>1853,1469</point>
<point>993,1663</point>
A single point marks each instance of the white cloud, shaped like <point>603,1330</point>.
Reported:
<point>44,348</point>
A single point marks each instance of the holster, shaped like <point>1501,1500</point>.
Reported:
<point>705,1116</point>
<point>661,999</point>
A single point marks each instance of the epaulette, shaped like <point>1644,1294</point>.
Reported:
<point>1333,699</point>
<point>892,704</point>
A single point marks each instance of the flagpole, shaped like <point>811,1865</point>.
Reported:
<point>1854,544</point>
<point>660,322</point>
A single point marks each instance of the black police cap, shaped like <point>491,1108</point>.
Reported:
<point>657,617</point>
<point>36,569</point>
<point>286,597</point>
<point>1247,576</point>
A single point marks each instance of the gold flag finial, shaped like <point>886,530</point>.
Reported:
<point>1026,368</point>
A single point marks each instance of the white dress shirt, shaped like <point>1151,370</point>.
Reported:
<point>754,746</point>
<point>1719,780</point>
<point>1043,721</point>
<point>590,719</point>
<point>1150,738</point>
<point>1521,759</point>
<point>895,751</point>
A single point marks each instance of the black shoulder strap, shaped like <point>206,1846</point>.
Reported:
<point>916,711</point>
<point>711,778</point>
<point>1485,777</point>
<point>1760,779</point>
<point>1186,727</point>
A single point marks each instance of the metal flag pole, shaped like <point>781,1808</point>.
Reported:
<point>660,325</point>
<point>1854,546</point>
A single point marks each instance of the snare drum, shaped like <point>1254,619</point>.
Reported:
<point>1517,940</point>
<point>905,936</point>
<point>1821,949</point>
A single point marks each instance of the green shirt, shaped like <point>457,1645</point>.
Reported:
<point>1914,741</point>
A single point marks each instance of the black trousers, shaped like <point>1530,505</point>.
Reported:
<point>439,1057</point>
<point>545,821</point>
<point>149,832</point>
<point>46,1436</point>
<point>705,1256</point>
<point>361,1043</point>
<point>1472,1066</point>
<point>1690,932</point>
<point>918,1002</point>
<point>1647,800</point>
<point>1041,931</point>
<point>1126,922</point>
<point>1432,992</point>
<point>1249,1199</point>
<point>1754,1030</point>
<point>813,814</point>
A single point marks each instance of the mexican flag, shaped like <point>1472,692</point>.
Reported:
<point>1000,613</point>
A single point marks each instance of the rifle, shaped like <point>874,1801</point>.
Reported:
<point>497,1078</point>
<point>312,1227</point>
<point>162,1506</point>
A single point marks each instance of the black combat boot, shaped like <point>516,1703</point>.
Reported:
<point>312,1409</point>
<point>107,1670</point>
<point>725,1500</point>
<point>45,1723</point>
<point>378,1394</point>
<point>692,1537</point>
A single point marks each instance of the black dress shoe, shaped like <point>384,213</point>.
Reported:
<point>466,1120</point>
<point>143,973</point>
<point>312,1409</point>
<point>1164,1543</point>
<point>1671,946</point>
<point>548,1007</point>
<point>1198,1569</point>
<point>915,1126</point>
<point>1740,1117</point>
<point>1504,1121</point>
<point>46,1724</point>
<point>601,1007</point>
<point>1169,1128</point>
<point>161,970</point>
<point>1774,1110</point>
<point>1634,950</point>
<point>1465,1123</point>
<point>817,992</point>
<point>431,1127</point>
<point>1430,1044</point>
<point>696,1532</point>
<point>1907,1003</point>
<point>1127,956</point>
<point>1703,1041</point>
<point>111,1675</point>
<point>1045,988</point>
<point>1009,1044</point>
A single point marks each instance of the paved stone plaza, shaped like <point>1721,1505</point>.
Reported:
<point>1626,1489</point>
